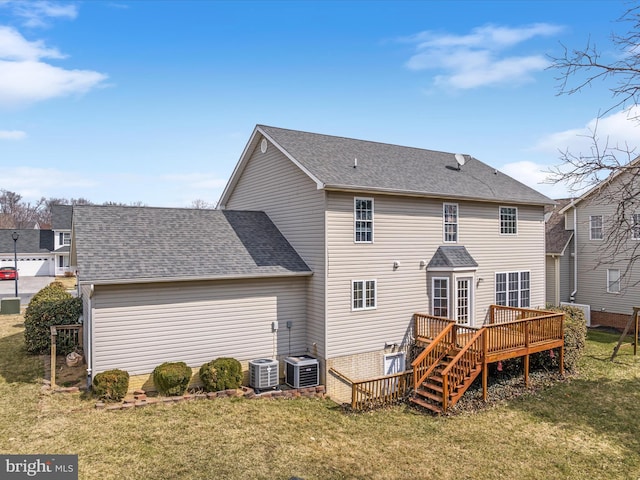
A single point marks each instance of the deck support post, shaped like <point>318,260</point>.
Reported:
<point>54,335</point>
<point>526,371</point>
<point>561,360</point>
<point>485,365</point>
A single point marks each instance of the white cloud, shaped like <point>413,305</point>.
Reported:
<point>24,78</point>
<point>477,59</point>
<point>36,13</point>
<point>13,46</point>
<point>33,183</point>
<point>618,129</point>
<point>12,135</point>
<point>535,176</point>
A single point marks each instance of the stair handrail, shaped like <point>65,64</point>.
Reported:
<point>446,385</point>
<point>425,353</point>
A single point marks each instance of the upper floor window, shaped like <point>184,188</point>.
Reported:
<point>363,220</point>
<point>635,228</point>
<point>613,280</point>
<point>65,238</point>
<point>508,220</point>
<point>440,297</point>
<point>450,219</point>
<point>363,294</point>
<point>595,227</point>
<point>513,289</point>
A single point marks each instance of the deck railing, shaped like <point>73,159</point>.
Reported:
<point>526,332</point>
<point>428,326</point>
<point>462,366</point>
<point>379,391</point>
<point>428,360</point>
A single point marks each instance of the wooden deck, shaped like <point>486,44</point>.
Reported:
<point>454,355</point>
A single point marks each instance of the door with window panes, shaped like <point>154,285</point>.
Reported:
<point>463,300</point>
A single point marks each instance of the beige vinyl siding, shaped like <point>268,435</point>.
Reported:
<point>552,265</point>
<point>409,230</point>
<point>138,327</point>
<point>272,183</point>
<point>592,277</point>
<point>566,273</point>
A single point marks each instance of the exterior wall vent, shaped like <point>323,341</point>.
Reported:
<point>263,373</point>
<point>302,371</point>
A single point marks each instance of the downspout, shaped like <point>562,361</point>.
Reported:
<point>89,326</point>
<point>572,298</point>
<point>556,280</point>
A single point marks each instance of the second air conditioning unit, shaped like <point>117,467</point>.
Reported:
<point>302,371</point>
<point>263,373</point>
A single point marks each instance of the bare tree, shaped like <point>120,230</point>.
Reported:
<point>604,162</point>
<point>200,204</point>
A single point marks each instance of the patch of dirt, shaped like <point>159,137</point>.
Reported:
<point>70,376</point>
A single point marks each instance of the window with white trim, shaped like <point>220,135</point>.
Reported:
<point>513,289</point>
<point>450,222</point>
<point>363,220</point>
<point>463,300</point>
<point>635,228</point>
<point>440,297</point>
<point>65,238</point>
<point>363,294</point>
<point>613,280</point>
<point>508,220</point>
<point>595,227</point>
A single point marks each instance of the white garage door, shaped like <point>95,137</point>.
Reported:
<point>34,266</point>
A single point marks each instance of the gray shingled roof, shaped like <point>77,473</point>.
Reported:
<point>556,237</point>
<point>132,244</point>
<point>452,257</point>
<point>393,168</point>
<point>29,241</point>
<point>61,216</point>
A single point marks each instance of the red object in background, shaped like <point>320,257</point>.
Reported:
<point>8,273</point>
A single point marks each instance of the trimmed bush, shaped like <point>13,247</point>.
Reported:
<point>221,374</point>
<point>111,385</point>
<point>52,305</point>
<point>172,378</point>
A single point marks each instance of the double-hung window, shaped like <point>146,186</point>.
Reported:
<point>440,296</point>
<point>508,220</point>
<point>613,280</point>
<point>635,227</point>
<point>363,294</point>
<point>363,220</point>
<point>513,289</point>
<point>595,227</point>
<point>450,222</point>
<point>65,238</point>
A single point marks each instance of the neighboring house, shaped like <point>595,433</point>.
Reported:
<point>603,244</point>
<point>389,231</point>
<point>61,216</point>
<point>40,251</point>
<point>34,249</point>
<point>382,232</point>
<point>161,284</point>
<point>559,250</point>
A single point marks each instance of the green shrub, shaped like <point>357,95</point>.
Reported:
<point>111,385</point>
<point>575,337</point>
<point>50,306</point>
<point>172,378</point>
<point>221,374</point>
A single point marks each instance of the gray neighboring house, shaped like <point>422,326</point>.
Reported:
<point>166,284</point>
<point>41,252</point>
<point>34,249</point>
<point>389,231</point>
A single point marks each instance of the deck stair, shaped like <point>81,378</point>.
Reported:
<point>430,393</point>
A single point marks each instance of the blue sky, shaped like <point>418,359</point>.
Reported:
<point>154,101</point>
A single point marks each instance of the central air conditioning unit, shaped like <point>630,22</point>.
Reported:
<point>263,373</point>
<point>302,371</point>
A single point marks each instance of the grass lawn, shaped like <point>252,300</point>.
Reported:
<point>585,428</point>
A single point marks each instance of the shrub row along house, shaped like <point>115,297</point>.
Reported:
<point>321,245</point>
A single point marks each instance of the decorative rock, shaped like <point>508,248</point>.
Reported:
<point>211,395</point>
<point>100,405</point>
<point>127,406</point>
<point>139,392</point>
<point>139,396</point>
<point>201,396</point>
<point>140,403</point>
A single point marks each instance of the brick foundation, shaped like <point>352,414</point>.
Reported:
<point>609,319</point>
